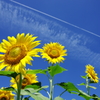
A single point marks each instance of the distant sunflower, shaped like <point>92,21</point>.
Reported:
<point>53,52</point>
<point>17,52</point>
<point>28,79</point>
<point>91,73</point>
<point>6,95</point>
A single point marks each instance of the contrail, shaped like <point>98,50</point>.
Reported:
<point>56,18</point>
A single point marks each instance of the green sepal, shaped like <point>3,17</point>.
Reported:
<point>53,70</point>
<point>8,73</point>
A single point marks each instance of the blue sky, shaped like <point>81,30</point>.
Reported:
<point>74,24</point>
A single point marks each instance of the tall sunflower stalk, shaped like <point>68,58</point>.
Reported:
<point>16,53</point>
<point>53,52</point>
<point>91,77</point>
<point>19,86</point>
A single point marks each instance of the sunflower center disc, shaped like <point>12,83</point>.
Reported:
<point>3,98</point>
<point>15,54</point>
<point>24,81</point>
<point>54,53</point>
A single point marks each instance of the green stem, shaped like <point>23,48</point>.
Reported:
<point>47,92</point>
<point>22,97</point>
<point>51,88</point>
<point>19,86</point>
<point>87,86</point>
<point>63,92</point>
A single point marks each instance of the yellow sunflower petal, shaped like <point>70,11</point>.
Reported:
<point>20,38</point>
<point>2,49</point>
<point>5,44</point>
<point>17,52</point>
<point>29,38</point>
<point>12,39</point>
<point>6,95</point>
<point>1,57</point>
<point>28,79</point>
<point>91,73</point>
<point>27,60</point>
<point>2,65</point>
<point>34,52</point>
<point>33,45</point>
<point>53,52</point>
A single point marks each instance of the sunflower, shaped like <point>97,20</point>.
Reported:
<point>91,73</point>
<point>17,52</point>
<point>28,79</point>
<point>6,95</point>
<point>53,52</point>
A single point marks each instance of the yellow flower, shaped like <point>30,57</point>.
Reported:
<point>6,95</point>
<point>91,73</point>
<point>17,52</point>
<point>53,52</point>
<point>28,79</point>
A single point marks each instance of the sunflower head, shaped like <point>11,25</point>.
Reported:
<point>53,52</point>
<point>91,73</point>
<point>6,95</point>
<point>28,79</point>
<point>18,51</point>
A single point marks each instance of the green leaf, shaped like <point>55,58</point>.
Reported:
<point>84,77</point>
<point>89,86</point>
<point>95,97</point>
<point>34,85</point>
<point>33,94</point>
<point>68,86</point>
<point>8,73</point>
<point>73,90</point>
<point>93,87</point>
<point>58,98</point>
<point>84,95</point>
<point>53,70</point>
<point>9,89</point>
<point>36,71</point>
<point>31,90</point>
<point>28,90</point>
<point>39,96</point>
<point>82,84</point>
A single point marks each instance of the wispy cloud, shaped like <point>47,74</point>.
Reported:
<point>17,19</point>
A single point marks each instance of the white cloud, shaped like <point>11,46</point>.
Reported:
<point>15,18</point>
